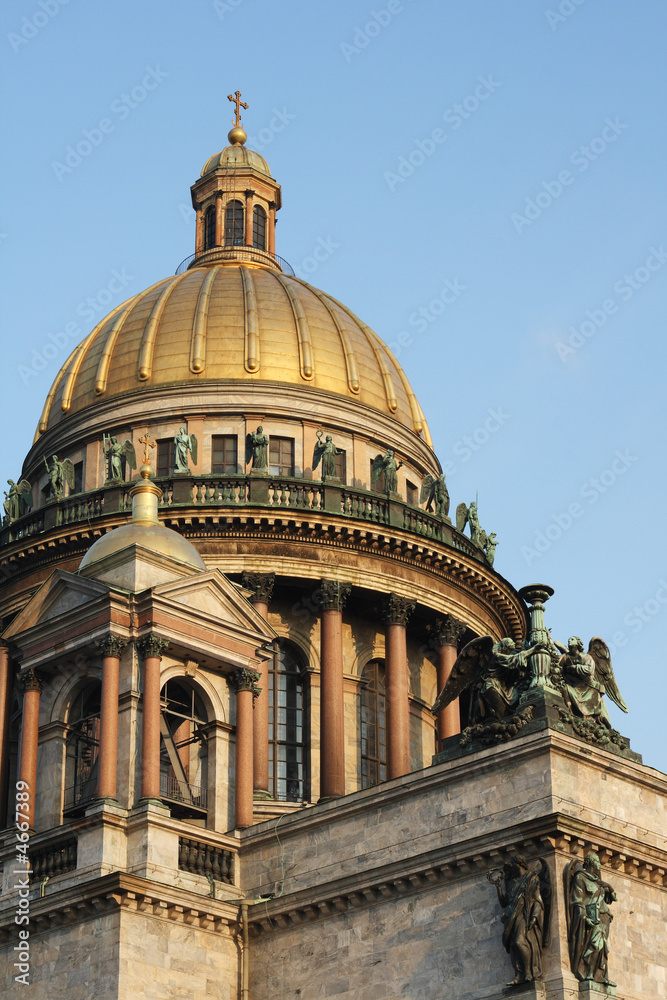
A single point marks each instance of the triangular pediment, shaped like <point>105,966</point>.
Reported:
<point>211,594</point>
<point>61,594</point>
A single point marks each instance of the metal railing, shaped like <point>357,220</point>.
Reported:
<point>176,790</point>
<point>237,252</point>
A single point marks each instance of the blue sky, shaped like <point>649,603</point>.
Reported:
<point>487,180</point>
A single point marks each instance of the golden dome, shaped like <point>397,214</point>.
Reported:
<point>236,155</point>
<point>230,322</point>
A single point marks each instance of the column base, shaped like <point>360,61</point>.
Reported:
<point>328,798</point>
<point>153,802</point>
<point>261,795</point>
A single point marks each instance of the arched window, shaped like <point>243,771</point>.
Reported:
<point>82,749</point>
<point>286,742</point>
<point>234,224</point>
<point>183,750</point>
<point>373,725</point>
<point>209,228</point>
<point>259,227</point>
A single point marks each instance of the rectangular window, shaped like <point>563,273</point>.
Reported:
<point>378,485</point>
<point>165,458</point>
<point>224,454</point>
<point>78,478</point>
<point>413,493</point>
<point>340,467</point>
<point>281,456</point>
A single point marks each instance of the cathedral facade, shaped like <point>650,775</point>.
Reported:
<point>232,590</point>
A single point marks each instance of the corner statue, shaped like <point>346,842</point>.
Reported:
<point>17,502</point>
<point>386,464</point>
<point>326,451</point>
<point>184,443</point>
<point>114,452</point>
<point>586,677</point>
<point>525,896</point>
<point>258,447</point>
<point>494,672</point>
<point>59,474</point>
<point>434,491</point>
<point>587,906</point>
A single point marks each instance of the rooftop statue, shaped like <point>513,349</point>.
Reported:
<point>496,673</point>
<point>490,547</point>
<point>17,503</point>
<point>114,452</point>
<point>434,491</point>
<point>59,474</point>
<point>587,907</point>
<point>184,443</point>
<point>326,451</point>
<point>259,449</point>
<point>468,515</point>
<point>586,677</point>
<point>386,464</point>
<point>525,896</point>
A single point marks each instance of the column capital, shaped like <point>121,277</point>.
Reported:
<point>111,645</point>
<point>396,610</point>
<point>152,645</point>
<point>29,681</point>
<point>447,630</point>
<point>332,595</point>
<point>261,585</point>
<point>245,679</point>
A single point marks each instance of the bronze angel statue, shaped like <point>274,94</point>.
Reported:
<point>115,452</point>
<point>184,443</point>
<point>59,474</point>
<point>586,677</point>
<point>468,515</point>
<point>434,491</point>
<point>17,501</point>
<point>494,671</point>
<point>326,451</point>
<point>386,464</point>
<point>524,892</point>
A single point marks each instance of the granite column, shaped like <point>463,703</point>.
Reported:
<point>151,648</point>
<point>332,598</point>
<point>396,613</point>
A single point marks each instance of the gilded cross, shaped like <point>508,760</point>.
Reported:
<point>147,443</point>
<point>236,99</point>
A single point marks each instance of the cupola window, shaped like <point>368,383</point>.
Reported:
<point>286,743</point>
<point>373,725</point>
<point>281,456</point>
<point>209,228</point>
<point>234,224</point>
<point>82,749</point>
<point>184,750</point>
<point>259,228</point>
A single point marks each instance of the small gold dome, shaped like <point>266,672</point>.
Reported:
<point>236,155</point>
<point>229,323</point>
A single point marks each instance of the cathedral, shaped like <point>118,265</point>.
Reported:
<point>231,593</point>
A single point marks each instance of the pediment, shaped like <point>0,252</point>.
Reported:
<point>215,597</point>
<point>59,595</point>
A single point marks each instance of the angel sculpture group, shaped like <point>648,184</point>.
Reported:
<point>17,501</point>
<point>486,542</point>
<point>497,674</point>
